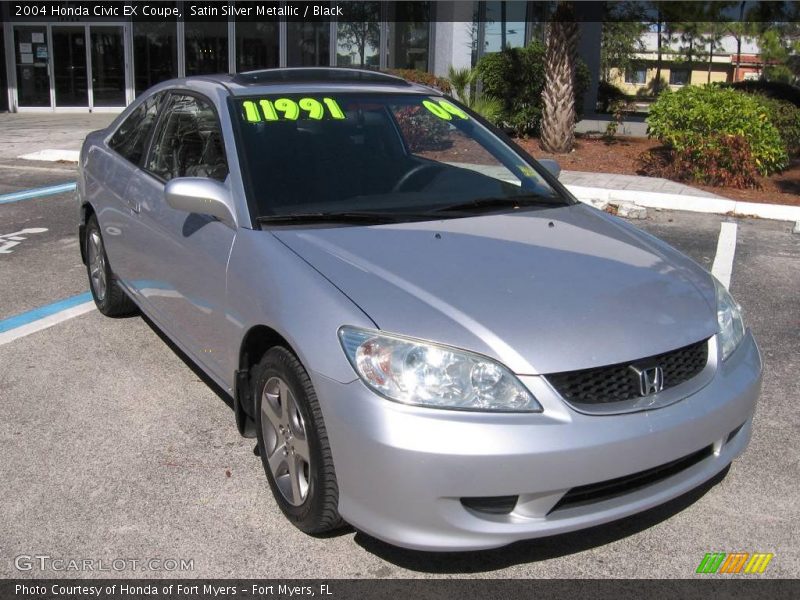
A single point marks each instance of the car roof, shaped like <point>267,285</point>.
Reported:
<point>314,79</point>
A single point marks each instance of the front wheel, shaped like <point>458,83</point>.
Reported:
<point>293,443</point>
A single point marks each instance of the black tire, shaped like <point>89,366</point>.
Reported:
<point>110,298</point>
<point>315,512</point>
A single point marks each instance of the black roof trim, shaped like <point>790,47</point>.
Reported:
<point>317,75</point>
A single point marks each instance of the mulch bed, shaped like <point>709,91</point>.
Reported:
<point>621,156</point>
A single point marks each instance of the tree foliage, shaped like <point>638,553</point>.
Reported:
<point>621,41</point>
<point>360,31</point>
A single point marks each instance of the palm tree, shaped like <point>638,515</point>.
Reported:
<point>558,96</point>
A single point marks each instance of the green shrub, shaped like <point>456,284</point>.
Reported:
<point>515,76</point>
<point>422,77</point>
<point>683,120</point>
<point>785,116</point>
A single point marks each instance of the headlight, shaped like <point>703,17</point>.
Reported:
<point>729,318</point>
<point>415,372</point>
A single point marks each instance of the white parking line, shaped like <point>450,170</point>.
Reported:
<point>726,247</point>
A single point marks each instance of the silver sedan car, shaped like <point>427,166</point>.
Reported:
<point>430,337</point>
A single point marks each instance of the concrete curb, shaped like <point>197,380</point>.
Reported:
<point>686,202</point>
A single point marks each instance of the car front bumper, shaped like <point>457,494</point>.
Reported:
<point>403,470</point>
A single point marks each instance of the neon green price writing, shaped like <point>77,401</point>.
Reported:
<point>288,109</point>
<point>444,109</point>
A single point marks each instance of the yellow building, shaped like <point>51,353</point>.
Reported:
<point>675,72</point>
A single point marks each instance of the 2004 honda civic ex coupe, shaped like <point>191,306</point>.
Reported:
<point>430,337</point>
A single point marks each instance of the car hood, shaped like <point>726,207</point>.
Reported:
<point>542,291</point>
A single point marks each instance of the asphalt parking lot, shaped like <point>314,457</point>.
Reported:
<point>114,447</point>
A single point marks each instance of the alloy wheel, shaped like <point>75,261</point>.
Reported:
<point>285,441</point>
<point>97,265</point>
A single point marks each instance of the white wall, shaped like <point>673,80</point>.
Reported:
<point>452,37</point>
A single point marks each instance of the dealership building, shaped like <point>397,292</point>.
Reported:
<point>78,62</point>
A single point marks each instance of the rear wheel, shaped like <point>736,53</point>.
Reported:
<point>110,298</point>
<point>293,443</point>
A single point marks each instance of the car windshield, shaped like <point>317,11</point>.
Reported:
<point>316,155</point>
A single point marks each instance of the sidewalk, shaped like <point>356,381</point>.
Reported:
<point>613,181</point>
<point>25,133</point>
<point>601,189</point>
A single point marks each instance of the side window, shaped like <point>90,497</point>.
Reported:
<point>189,142</point>
<point>130,138</point>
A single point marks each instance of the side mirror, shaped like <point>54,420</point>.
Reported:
<point>551,165</point>
<point>202,196</point>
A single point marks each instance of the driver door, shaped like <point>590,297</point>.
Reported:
<point>183,268</point>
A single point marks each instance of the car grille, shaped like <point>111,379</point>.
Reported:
<point>618,383</point>
<point>605,490</point>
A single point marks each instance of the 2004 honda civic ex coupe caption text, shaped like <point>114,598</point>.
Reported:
<point>430,338</point>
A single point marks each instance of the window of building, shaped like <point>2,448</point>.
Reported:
<point>130,138</point>
<point>505,25</point>
<point>358,36</point>
<point>679,76</point>
<point>636,75</point>
<point>189,143</point>
<point>155,53</point>
<point>409,35</point>
<point>308,44</point>
<point>206,47</point>
<point>256,45</point>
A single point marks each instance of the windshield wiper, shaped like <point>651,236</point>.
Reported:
<point>503,202</point>
<point>335,217</point>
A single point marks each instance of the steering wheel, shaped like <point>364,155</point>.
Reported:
<point>408,176</point>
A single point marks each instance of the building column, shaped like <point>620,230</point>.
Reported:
<point>453,39</point>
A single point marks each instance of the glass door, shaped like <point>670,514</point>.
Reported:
<point>70,73</point>
<point>32,62</point>
<point>108,65</point>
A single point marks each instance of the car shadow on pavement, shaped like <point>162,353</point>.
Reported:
<point>531,551</point>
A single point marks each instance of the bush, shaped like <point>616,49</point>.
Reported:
<point>719,160</point>
<point>771,89</point>
<point>610,96</point>
<point>515,76</point>
<point>785,116</point>
<point>423,77</point>
<point>683,120</point>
